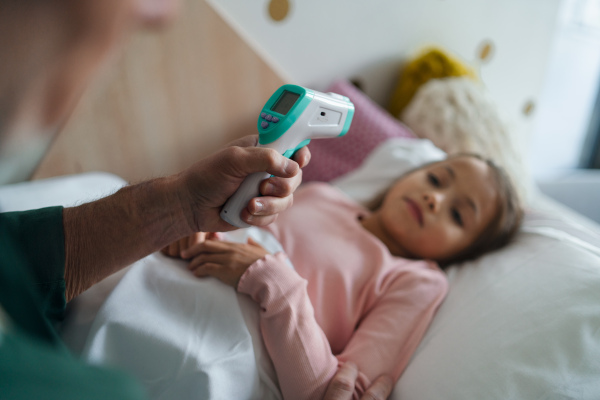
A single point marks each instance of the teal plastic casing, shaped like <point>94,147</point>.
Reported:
<point>275,130</point>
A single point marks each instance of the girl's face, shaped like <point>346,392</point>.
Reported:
<point>437,211</point>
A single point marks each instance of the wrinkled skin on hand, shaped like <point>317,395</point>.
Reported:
<point>206,185</point>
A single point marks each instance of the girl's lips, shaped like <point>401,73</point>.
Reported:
<point>415,210</point>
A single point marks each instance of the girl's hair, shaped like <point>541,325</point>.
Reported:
<point>500,230</point>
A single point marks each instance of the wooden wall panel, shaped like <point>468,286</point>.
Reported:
<point>171,99</point>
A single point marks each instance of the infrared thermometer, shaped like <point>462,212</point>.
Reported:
<point>292,116</point>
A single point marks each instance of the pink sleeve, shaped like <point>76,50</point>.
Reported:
<point>296,343</point>
<point>389,334</point>
<point>301,354</point>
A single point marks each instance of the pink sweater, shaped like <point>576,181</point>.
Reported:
<point>348,298</point>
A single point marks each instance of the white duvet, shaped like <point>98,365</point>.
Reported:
<point>180,336</point>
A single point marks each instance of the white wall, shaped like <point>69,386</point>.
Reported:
<point>321,40</point>
<point>570,89</point>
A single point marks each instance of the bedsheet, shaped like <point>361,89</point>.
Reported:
<point>181,337</point>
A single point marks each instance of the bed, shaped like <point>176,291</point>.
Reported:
<point>519,323</point>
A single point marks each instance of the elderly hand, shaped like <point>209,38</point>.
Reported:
<point>207,185</point>
<point>341,386</point>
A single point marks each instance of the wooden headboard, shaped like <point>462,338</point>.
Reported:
<point>171,99</point>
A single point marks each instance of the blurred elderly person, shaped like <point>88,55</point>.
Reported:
<point>51,50</point>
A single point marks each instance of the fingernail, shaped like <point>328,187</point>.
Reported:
<point>269,189</point>
<point>258,205</point>
<point>290,166</point>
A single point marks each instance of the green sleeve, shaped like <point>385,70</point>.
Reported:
<point>32,253</point>
<point>32,370</point>
<point>34,364</point>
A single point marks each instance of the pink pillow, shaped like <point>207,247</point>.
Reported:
<point>371,126</point>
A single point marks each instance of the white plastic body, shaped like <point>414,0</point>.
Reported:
<point>310,125</point>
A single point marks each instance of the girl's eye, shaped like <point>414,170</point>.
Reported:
<point>456,217</point>
<point>433,180</point>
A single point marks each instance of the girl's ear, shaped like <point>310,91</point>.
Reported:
<point>156,13</point>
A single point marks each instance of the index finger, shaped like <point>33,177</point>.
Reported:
<point>243,161</point>
<point>301,157</point>
<point>193,239</point>
<point>246,141</point>
<point>341,386</point>
<point>207,246</point>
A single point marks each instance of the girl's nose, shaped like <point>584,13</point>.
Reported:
<point>433,200</point>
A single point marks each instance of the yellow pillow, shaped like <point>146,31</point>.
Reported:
<point>431,63</point>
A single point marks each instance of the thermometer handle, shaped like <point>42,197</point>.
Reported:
<point>236,203</point>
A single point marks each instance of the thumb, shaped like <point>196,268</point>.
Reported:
<point>214,236</point>
<point>254,243</point>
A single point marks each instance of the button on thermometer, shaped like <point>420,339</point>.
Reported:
<point>292,116</point>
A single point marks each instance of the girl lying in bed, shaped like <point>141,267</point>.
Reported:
<point>366,283</point>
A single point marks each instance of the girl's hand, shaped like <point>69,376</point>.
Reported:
<point>177,248</point>
<point>225,261</point>
<point>341,386</point>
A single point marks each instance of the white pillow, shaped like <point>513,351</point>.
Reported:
<point>519,323</point>
<point>386,163</point>
<point>522,323</point>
